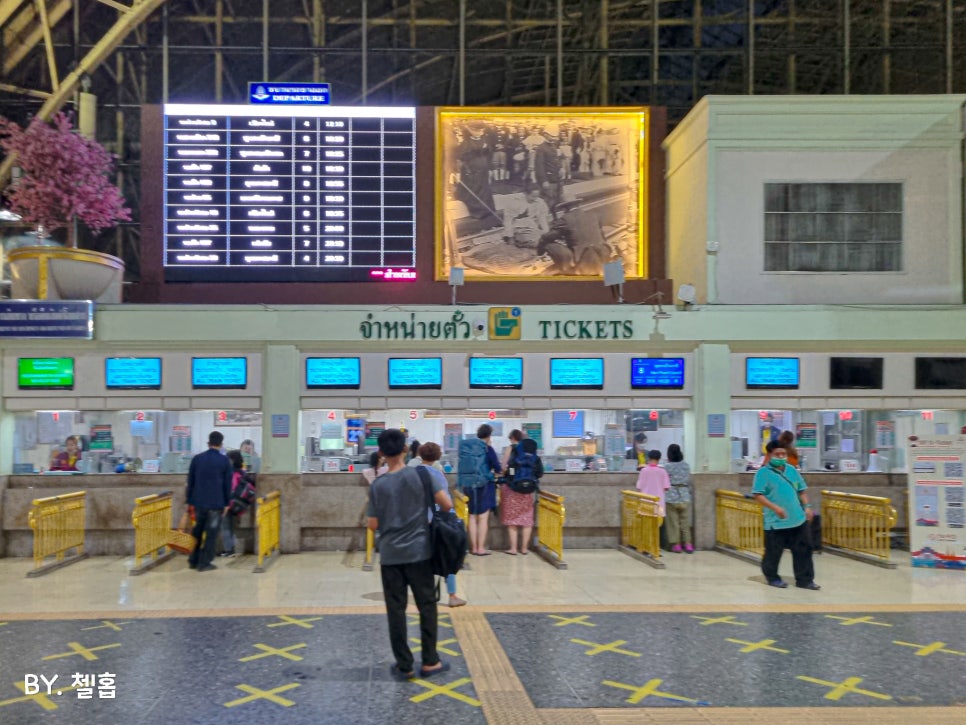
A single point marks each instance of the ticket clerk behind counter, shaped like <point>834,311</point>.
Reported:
<point>68,459</point>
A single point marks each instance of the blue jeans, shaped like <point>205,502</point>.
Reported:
<point>228,533</point>
<point>207,523</point>
<point>451,584</point>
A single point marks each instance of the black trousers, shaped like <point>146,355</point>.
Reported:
<point>396,579</point>
<point>796,539</point>
<point>207,522</point>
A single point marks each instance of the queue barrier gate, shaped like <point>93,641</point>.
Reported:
<point>858,526</point>
<point>152,519</point>
<point>551,515</point>
<point>58,523</point>
<point>739,526</point>
<point>641,527</point>
<point>268,527</point>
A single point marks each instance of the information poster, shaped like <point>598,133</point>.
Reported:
<point>534,431</point>
<point>452,435</point>
<point>373,430</point>
<point>937,530</point>
<point>806,435</point>
<point>885,434</point>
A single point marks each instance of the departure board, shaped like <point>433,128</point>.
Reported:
<point>256,194</point>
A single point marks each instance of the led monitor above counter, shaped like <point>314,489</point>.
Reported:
<point>576,373</point>
<point>132,373</point>
<point>45,373</point>
<point>496,372</point>
<point>657,373</point>
<point>415,373</point>
<point>772,373</point>
<point>219,373</point>
<point>322,373</point>
<point>855,373</point>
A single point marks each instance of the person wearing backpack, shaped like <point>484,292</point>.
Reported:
<point>398,512</point>
<point>523,470</point>
<point>477,464</point>
<point>242,496</point>
<point>429,455</point>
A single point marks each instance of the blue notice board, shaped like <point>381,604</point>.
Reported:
<point>42,318</point>
<point>289,94</point>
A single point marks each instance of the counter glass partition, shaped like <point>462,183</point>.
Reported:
<point>585,440</point>
<point>149,441</point>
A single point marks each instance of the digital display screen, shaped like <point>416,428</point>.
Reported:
<point>855,373</point>
<point>132,373</point>
<point>941,373</point>
<point>332,372</point>
<point>772,373</point>
<point>568,423</point>
<point>576,373</point>
<point>45,373</point>
<point>219,372</point>
<point>657,372</point>
<point>269,194</point>
<point>496,372</point>
<point>415,372</point>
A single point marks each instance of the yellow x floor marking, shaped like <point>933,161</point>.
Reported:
<point>268,651</point>
<point>287,620</point>
<point>78,649</point>
<point>116,626</point>
<point>4,624</point>
<point>257,694</point>
<point>928,649</point>
<point>564,621</point>
<point>449,690</point>
<point>840,689</point>
<point>596,648</point>
<point>730,619</point>
<point>753,646</point>
<point>41,698</point>
<point>848,621</point>
<point>648,690</point>
<point>439,646</point>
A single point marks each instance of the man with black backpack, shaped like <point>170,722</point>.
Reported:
<point>474,477</point>
<point>398,511</point>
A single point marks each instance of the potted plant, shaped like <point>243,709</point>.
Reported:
<point>65,180</point>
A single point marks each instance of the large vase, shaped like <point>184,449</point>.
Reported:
<point>58,273</point>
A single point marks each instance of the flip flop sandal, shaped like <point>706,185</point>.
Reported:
<point>425,674</point>
<point>400,675</point>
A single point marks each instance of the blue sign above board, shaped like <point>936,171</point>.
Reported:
<point>42,318</point>
<point>289,94</point>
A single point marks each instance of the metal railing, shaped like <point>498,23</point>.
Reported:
<point>858,526</point>
<point>58,525</point>
<point>551,515</point>
<point>641,523</point>
<point>739,524</point>
<point>268,527</point>
<point>152,519</point>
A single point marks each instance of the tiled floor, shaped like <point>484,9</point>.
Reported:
<point>522,651</point>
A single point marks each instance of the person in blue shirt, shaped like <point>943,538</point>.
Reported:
<point>781,490</point>
<point>209,490</point>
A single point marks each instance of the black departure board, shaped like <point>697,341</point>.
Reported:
<point>256,194</point>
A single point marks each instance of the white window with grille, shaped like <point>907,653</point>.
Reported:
<point>833,227</point>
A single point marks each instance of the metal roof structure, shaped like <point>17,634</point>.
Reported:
<point>462,52</point>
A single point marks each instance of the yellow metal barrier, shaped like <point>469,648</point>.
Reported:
<point>268,527</point>
<point>152,519</point>
<point>370,549</point>
<point>641,524</point>
<point>58,524</point>
<point>461,504</point>
<point>739,527</point>
<point>551,515</point>
<point>858,526</point>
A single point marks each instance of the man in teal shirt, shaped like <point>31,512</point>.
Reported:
<point>781,490</point>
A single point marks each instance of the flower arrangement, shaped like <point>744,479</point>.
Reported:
<point>66,177</point>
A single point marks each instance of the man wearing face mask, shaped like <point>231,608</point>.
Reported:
<point>781,490</point>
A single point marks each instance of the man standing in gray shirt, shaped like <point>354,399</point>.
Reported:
<point>398,511</point>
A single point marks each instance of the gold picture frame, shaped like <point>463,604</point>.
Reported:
<point>534,194</point>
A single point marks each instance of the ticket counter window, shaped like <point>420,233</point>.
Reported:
<point>839,440</point>
<point>585,440</point>
<point>147,441</point>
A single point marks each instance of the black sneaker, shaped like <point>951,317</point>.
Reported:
<point>778,583</point>
<point>811,585</point>
<point>207,567</point>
